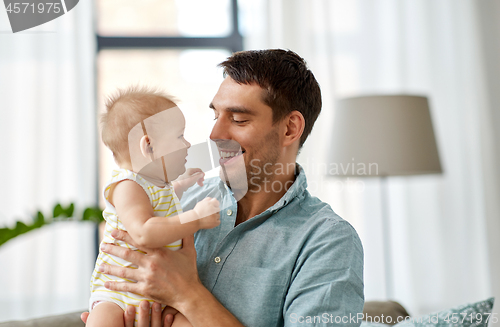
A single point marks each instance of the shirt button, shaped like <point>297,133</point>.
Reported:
<point>217,259</point>
<point>229,212</point>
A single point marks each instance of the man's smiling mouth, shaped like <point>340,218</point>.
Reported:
<point>227,155</point>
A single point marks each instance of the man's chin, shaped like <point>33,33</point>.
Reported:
<point>235,176</point>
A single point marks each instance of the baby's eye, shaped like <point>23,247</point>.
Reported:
<point>181,136</point>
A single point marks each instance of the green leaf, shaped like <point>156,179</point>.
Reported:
<point>58,210</point>
<point>39,220</point>
<point>93,214</point>
<point>66,212</point>
<point>6,234</point>
<point>21,228</point>
<point>70,210</point>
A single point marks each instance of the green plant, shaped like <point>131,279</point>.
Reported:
<point>91,214</point>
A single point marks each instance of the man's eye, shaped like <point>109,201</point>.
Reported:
<point>239,121</point>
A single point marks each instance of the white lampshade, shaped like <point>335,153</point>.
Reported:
<point>383,136</point>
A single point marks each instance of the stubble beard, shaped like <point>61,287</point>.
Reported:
<point>261,170</point>
<point>252,174</point>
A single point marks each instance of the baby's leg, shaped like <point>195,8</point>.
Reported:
<point>181,321</point>
<point>106,314</point>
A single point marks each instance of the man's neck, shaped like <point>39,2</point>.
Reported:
<point>259,199</point>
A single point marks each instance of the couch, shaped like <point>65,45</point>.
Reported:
<point>468,315</point>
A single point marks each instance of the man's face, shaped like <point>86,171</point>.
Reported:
<point>243,120</point>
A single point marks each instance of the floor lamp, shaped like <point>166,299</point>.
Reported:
<point>388,135</point>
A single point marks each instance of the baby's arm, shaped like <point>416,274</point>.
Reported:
<point>135,212</point>
<point>188,179</point>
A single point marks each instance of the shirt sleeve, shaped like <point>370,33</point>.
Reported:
<point>327,283</point>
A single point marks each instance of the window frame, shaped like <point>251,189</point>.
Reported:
<point>232,42</point>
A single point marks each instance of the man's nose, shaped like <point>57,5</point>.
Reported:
<point>220,131</point>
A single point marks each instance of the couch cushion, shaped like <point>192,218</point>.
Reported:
<point>468,315</point>
<point>373,311</point>
<point>65,320</point>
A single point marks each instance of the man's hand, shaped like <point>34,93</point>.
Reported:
<point>208,212</point>
<point>143,316</point>
<point>168,277</point>
<point>162,275</point>
<point>188,179</point>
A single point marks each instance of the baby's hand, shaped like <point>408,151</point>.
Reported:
<point>190,177</point>
<point>208,211</point>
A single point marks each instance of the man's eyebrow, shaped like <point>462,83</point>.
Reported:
<point>241,110</point>
<point>236,109</point>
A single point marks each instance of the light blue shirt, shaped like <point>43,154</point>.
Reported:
<point>296,264</point>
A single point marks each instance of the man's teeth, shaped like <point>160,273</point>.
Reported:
<point>229,154</point>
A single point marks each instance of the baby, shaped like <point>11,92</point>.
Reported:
<point>144,130</point>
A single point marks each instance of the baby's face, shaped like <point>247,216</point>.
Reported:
<point>165,131</point>
<point>173,148</point>
<point>167,138</point>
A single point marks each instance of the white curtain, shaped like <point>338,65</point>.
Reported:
<point>444,228</point>
<point>48,156</point>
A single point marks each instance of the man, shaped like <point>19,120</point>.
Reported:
<point>279,257</point>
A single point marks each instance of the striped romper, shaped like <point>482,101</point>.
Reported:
<point>164,202</point>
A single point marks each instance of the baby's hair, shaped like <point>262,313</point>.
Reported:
<point>125,109</point>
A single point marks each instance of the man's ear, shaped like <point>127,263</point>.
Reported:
<point>146,147</point>
<point>294,127</point>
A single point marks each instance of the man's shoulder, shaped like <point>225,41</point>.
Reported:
<point>324,223</point>
<point>319,211</point>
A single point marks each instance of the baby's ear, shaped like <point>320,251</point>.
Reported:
<point>146,147</point>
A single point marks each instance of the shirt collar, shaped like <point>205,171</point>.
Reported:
<point>298,187</point>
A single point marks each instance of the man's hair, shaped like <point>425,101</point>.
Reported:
<point>287,82</point>
<point>125,109</point>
